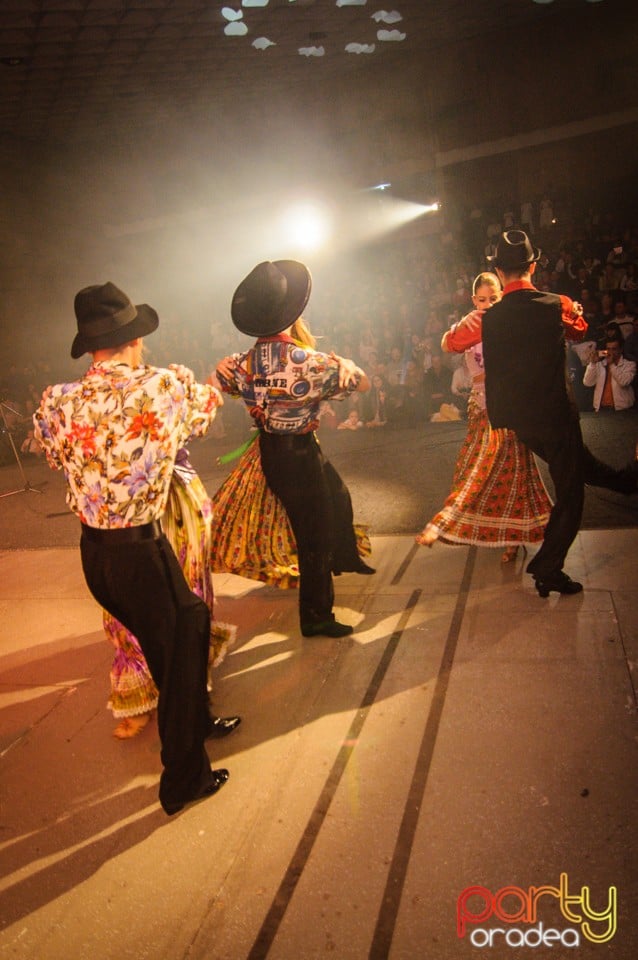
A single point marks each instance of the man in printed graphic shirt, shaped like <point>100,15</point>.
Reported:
<point>116,432</point>
<point>283,381</point>
<point>523,338</point>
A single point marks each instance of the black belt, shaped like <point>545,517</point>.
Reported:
<point>289,440</point>
<point>146,531</point>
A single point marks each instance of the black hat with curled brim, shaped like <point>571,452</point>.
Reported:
<point>514,250</point>
<point>271,297</point>
<point>107,318</point>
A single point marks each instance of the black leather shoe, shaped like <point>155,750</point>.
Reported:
<point>364,569</point>
<point>327,628</point>
<point>221,727</point>
<point>218,779</point>
<point>626,481</point>
<point>558,582</point>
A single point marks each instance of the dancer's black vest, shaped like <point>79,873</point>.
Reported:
<point>524,354</point>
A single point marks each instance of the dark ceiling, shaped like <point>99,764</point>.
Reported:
<point>69,67</point>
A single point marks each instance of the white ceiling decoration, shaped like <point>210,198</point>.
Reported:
<point>262,43</point>
<point>383,16</point>
<point>229,13</point>
<point>359,48</point>
<point>393,36</point>
<point>66,63</point>
<point>238,26</point>
<point>236,29</point>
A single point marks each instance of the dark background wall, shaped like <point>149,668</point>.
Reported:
<point>173,207</point>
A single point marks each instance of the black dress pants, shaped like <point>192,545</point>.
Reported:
<point>571,466</point>
<point>564,455</point>
<point>141,583</point>
<point>345,554</point>
<point>320,512</point>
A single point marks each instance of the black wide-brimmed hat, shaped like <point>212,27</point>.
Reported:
<point>514,250</point>
<point>271,297</point>
<point>107,318</point>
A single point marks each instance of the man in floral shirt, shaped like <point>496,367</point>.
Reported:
<point>116,432</point>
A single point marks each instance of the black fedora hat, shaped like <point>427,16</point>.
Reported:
<point>514,250</point>
<point>271,297</point>
<point>107,318</point>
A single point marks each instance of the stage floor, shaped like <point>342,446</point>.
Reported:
<point>468,734</point>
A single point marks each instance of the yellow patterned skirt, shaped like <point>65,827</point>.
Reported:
<point>251,533</point>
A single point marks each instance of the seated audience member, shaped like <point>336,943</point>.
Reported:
<point>352,422</point>
<point>578,355</point>
<point>630,345</point>
<point>543,281</point>
<point>611,376</point>
<point>328,418</point>
<point>617,256</point>
<point>373,362</point>
<point>375,400</point>
<point>607,311</point>
<point>630,352</point>
<point>582,281</point>
<point>395,379</point>
<point>610,331</point>
<point>427,353</point>
<point>609,279</point>
<point>368,344</point>
<point>30,446</point>
<point>624,320</point>
<point>629,280</point>
<point>354,404</point>
<point>395,368</point>
<point>461,298</point>
<point>435,326</point>
<point>417,350</point>
<point>590,305</point>
<point>629,286</point>
<point>461,386</point>
<point>413,394</point>
<point>437,386</point>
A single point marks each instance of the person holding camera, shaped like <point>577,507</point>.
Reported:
<point>611,375</point>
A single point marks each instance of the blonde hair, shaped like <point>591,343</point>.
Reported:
<point>486,280</point>
<point>301,332</point>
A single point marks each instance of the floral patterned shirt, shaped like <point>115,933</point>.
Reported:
<point>116,433</point>
<point>283,384</point>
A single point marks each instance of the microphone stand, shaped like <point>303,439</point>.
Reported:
<point>27,488</point>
